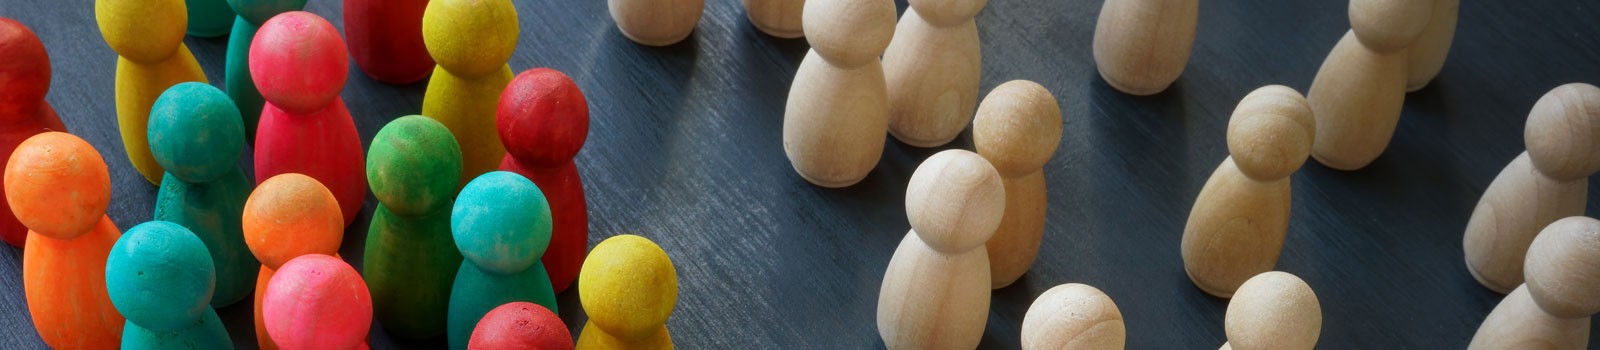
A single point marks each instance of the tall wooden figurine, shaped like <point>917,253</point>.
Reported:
<point>472,40</point>
<point>411,261</point>
<point>1142,46</point>
<point>385,38</point>
<point>209,18</point>
<point>288,216</point>
<point>237,81</point>
<point>1433,46</point>
<point>317,301</point>
<point>1017,129</point>
<point>501,223</point>
<point>160,276</point>
<point>544,120</point>
<point>779,18</point>
<point>24,80</point>
<point>1553,309</point>
<point>148,39</point>
<point>629,289</point>
<point>1360,88</point>
<point>932,68</point>
<point>838,108</point>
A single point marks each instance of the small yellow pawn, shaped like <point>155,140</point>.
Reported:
<point>148,38</point>
<point>472,40</point>
<point>629,288</point>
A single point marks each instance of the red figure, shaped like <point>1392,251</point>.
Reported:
<point>299,64</point>
<point>543,120</point>
<point>385,36</point>
<point>520,325</point>
<point>317,302</point>
<point>24,80</point>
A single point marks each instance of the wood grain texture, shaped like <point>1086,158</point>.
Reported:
<point>684,149</point>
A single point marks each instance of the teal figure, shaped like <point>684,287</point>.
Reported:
<point>501,224</point>
<point>196,135</point>
<point>236,70</point>
<point>159,276</point>
<point>413,168</point>
<point>209,18</point>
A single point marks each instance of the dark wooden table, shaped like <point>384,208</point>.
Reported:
<point>685,148</point>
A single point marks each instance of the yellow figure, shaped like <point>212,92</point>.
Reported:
<point>628,287</point>
<point>472,40</point>
<point>148,38</point>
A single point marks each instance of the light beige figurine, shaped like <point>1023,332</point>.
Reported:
<point>932,67</point>
<point>1358,92</point>
<point>1017,129</point>
<point>1273,310</point>
<point>1073,316</point>
<point>1548,182</point>
<point>838,108</point>
<point>779,18</point>
<point>656,22</point>
<point>1553,309</point>
<point>1142,46</point>
<point>935,292</point>
<point>1238,223</point>
<point>1429,52</point>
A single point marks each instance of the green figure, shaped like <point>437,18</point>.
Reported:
<point>413,167</point>
<point>159,276</point>
<point>196,135</point>
<point>209,18</point>
<point>501,223</point>
<point>236,71</point>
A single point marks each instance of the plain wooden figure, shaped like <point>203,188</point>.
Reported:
<point>288,216</point>
<point>1548,182</point>
<point>936,291</point>
<point>299,64</point>
<point>629,289</point>
<point>1360,88</point>
<point>1073,316</point>
<point>148,39</point>
<point>1141,46</point>
<point>59,188</point>
<point>411,261</point>
<point>1238,223</point>
<point>1553,309</point>
<point>209,18</point>
<point>241,87</point>
<point>1433,46</point>
<point>472,40</point>
<point>501,224</point>
<point>1273,310</point>
<point>779,18</point>
<point>1018,128</point>
<point>160,276</point>
<point>543,119</point>
<point>656,22</point>
<point>317,301</point>
<point>385,38</point>
<point>932,68</point>
<point>24,80</point>
<point>520,325</point>
<point>838,108</point>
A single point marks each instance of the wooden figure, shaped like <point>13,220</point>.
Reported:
<point>411,261</point>
<point>1238,223</point>
<point>1142,46</point>
<point>1273,310</point>
<point>288,216</point>
<point>779,18</point>
<point>543,119</point>
<point>471,40</point>
<point>932,67</point>
<point>656,22</point>
<point>629,289</point>
<point>58,187</point>
<point>1433,46</point>
<point>1358,92</point>
<point>299,64</point>
<point>385,38</point>
<point>1553,309</point>
<point>160,276</point>
<point>936,291</point>
<point>838,108</point>
<point>1073,316</point>
<point>501,224</point>
<point>209,18</point>
<point>317,301</point>
<point>24,80</point>
<point>1017,129</point>
<point>1547,182</point>
<point>520,325</point>
<point>148,39</point>
<point>240,85</point>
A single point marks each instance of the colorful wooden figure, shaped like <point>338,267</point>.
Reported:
<point>59,188</point>
<point>501,223</point>
<point>209,18</point>
<point>628,288</point>
<point>288,216</point>
<point>932,69</point>
<point>1017,129</point>
<point>24,80</point>
<point>520,325</point>
<point>148,39</point>
<point>317,301</point>
<point>472,40</point>
<point>411,261</point>
<point>237,80</point>
<point>160,276</point>
<point>543,120</point>
<point>385,38</point>
<point>838,108</point>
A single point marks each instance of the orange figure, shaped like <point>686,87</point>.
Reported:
<point>287,216</point>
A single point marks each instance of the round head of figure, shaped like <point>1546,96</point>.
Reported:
<point>1563,132</point>
<point>298,62</point>
<point>259,11</point>
<point>24,70</point>
<point>501,222</point>
<point>142,30</point>
<point>849,32</point>
<point>57,185</point>
<point>414,165</point>
<point>543,118</point>
<point>1389,25</point>
<point>520,325</point>
<point>196,132</point>
<point>1018,127</point>
<point>317,302</point>
<point>948,12</point>
<point>1270,133</point>
<point>290,215</point>
<point>160,276</point>
<point>955,201</point>
<point>470,37</point>
<point>1563,267</point>
<point>628,286</point>
<point>1273,310</point>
